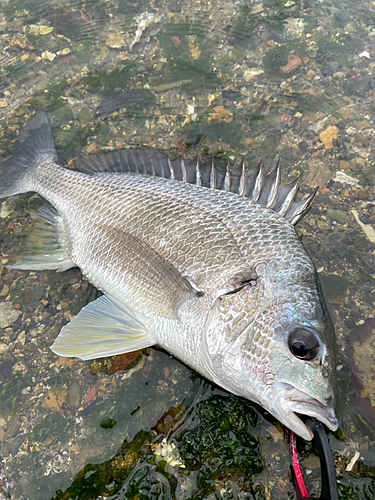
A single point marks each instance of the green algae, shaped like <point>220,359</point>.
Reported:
<point>221,443</point>
<point>336,49</point>
<point>189,57</point>
<point>213,131</point>
<point>251,22</point>
<point>277,56</point>
<point>55,426</point>
<point>103,81</point>
<point>352,488</point>
<point>107,478</point>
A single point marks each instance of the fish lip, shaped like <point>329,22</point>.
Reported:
<point>293,402</point>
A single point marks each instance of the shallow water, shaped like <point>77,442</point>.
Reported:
<point>273,79</point>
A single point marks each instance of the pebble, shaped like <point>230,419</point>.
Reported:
<point>3,347</point>
<point>176,41</point>
<point>249,74</point>
<point>5,290</point>
<point>293,63</point>
<point>311,462</point>
<point>328,135</point>
<point>337,215</point>
<point>21,339</point>
<point>8,315</point>
<point>75,394</point>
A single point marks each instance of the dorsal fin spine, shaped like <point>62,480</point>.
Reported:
<point>198,176</point>
<point>253,184</point>
<point>173,177</point>
<point>275,186</point>
<point>290,197</point>
<point>227,180</point>
<point>258,183</point>
<point>212,176</point>
<point>183,168</point>
<point>300,208</point>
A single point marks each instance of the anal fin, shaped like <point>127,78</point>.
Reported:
<point>104,327</point>
<point>42,248</point>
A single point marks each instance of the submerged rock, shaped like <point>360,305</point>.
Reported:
<point>8,315</point>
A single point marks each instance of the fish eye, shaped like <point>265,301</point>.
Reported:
<point>303,344</point>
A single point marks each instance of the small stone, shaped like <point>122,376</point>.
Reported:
<point>364,54</point>
<point>21,339</point>
<point>346,179</point>
<point>75,448</point>
<point>328,135</point>
<point>175,41</point>
<point>90,148</point>
<point>311,462</point>
<point>7,314</point>
<point>3,347</point>
<point>293,63</point>
<point>338,216</point>
<point>3,104</point>
<point>85,116</point>
<point>257,9</point>
<point>221,115</point>
<point>115,41</point>
<point>48,55</point>
<point>75,394</point>
<point>19,367</point>
<point>64,305</point>
<point>4,291</point>
<point>310,74</point>
<point>346,112</point>
<point>37,29</point>
<point>251,73</point>
<point>344,165</point>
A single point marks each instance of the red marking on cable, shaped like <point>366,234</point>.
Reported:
<point>296,467</point>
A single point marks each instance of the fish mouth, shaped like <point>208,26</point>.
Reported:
<point>292,402</point>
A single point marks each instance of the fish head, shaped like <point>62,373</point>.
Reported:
<point>273,342</point>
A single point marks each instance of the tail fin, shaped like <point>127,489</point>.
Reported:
<point>35,143</point>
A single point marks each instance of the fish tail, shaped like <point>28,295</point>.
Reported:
<point>17,174</point>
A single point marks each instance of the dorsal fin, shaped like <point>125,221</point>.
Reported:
<point>253,184</point>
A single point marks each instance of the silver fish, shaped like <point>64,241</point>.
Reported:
<point>203,262</point>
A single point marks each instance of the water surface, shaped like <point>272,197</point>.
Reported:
<point>265,80</point>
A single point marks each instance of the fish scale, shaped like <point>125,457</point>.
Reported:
<point>202,261</point>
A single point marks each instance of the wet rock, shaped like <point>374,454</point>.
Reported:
<point>334,287</point>
<point>361,352</point>
<point>8,315</point>
<point>338,216</point>
<point>318,174</point>
<point>311,462</point>
<point>75,394</point>
<point>115,41</point>
<point>15,444</point>
<point>85,116</point>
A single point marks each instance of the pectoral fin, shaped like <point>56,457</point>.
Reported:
<point>104,327</point>
<point>42,248</point>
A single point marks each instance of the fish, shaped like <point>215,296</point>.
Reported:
<point>203,261</point>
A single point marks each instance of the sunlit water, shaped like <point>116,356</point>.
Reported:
<point>265,80</point>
